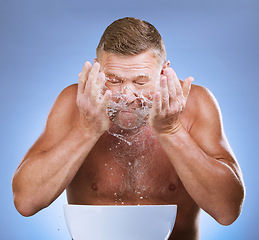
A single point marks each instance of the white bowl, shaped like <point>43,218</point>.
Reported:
<point>135,222</point>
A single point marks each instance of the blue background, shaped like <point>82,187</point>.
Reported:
<point>43,45</point>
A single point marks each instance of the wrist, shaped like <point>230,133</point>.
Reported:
<point>87,131</point>
<point>169,130</point>
<point>175,137</point>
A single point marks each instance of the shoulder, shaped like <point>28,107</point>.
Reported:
<point>66,99</point>
<point>205,112</point>
<point>202,101</point>
<point>200,94</point>
<point>68,94</point>
<point>201,109</point>
<point>64,109</point>
<point>60,120</point>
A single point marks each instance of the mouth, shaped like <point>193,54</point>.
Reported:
<point>128,113</point>
<point>128,110</point>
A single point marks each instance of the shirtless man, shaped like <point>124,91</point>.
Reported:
<point>102,146</point>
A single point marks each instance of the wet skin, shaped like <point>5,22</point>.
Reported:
<point>178,155</point>
<point>116,172</point>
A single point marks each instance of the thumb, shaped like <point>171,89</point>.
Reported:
<point>187,86</point>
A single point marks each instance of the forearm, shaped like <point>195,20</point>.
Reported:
<point>214,185</point>
<point>44,176</point>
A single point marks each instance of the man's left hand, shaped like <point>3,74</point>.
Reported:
<point>169,101</point>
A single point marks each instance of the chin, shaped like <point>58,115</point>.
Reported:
<point>126,121</point>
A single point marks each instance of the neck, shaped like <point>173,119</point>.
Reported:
<point>126,136</point>
<point>115,129</point>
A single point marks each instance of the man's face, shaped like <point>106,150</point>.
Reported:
<point>132,80</point>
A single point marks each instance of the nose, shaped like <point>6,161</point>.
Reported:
<point>129,94</point>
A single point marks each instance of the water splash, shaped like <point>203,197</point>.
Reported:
<point>129,134</point>
<point>121,137</point>
<point>139,106</point>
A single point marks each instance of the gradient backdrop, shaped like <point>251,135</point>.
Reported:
<point>43,45</point>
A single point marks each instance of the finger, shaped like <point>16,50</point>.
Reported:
<point>187,86</point>
<point>157,84</point>
<point>168,72</point>
<point>91,83</point>
<point>83,76</point>
<point>104,102</point>
<point>164,92</point>
<point>156,107</point>
<point>174,85</point>
<point>97,89</point>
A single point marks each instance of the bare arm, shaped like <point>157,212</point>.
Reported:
<point>202,157</point>
<point>75,123</point>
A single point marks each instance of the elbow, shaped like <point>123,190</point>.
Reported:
<point>23,210</point>
<point>27,206</point>
<point>232,208</point>
<point>24,205</point>
<point>227,219</point>
<point>230,213</point>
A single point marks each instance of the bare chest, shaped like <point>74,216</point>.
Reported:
<point>132,170</point>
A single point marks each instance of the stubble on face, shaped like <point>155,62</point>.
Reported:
<point>132,80</point>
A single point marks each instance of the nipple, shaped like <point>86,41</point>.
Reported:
<point>94,187</point>
<point>172,187</point>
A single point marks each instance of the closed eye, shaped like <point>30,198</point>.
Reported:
<point>142,80</point>
<point>114,81</point>
<point>140,83</point>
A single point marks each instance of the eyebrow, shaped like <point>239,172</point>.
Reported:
<point>111,75</point>
<point>137,77</point>
<point>143,77</point>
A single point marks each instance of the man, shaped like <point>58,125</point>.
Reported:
<point>131,133</point>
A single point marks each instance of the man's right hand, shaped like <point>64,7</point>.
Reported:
<point>91,101</point>
<point>50,165</point>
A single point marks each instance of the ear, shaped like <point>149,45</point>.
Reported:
<point>166,65</point>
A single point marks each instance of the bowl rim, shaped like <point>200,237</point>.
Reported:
<point>122,206</point>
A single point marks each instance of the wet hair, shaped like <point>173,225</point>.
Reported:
<point>131,36</point>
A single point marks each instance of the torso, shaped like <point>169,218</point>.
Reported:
<point>134,170</point>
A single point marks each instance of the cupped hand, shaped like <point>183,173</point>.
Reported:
<point>91,100</point>
<point>169,101</point>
